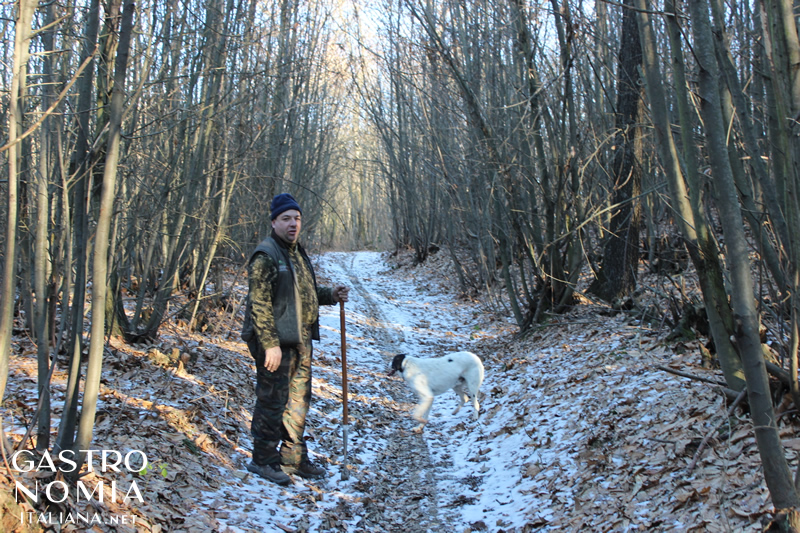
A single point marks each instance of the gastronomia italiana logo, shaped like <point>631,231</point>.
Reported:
<point>38,482</point>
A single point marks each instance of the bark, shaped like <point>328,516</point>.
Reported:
<point>786,12</point>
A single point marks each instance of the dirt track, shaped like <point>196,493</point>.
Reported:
<point>401,478</point>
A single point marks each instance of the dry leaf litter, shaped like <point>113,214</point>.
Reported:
<point>579,431</point>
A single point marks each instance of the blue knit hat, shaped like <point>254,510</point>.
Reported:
<point>283,202</point>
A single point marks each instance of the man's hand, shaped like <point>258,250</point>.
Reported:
<point>273,359</point>
<point>340,293</point>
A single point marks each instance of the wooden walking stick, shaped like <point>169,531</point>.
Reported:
<point>345,428</point>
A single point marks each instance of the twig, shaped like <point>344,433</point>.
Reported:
<point>704,443</point>
<point>690,376</point>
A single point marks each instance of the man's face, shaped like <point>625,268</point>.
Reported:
<point>287,225</point>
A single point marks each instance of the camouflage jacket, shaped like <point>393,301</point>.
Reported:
<point>283,298</point>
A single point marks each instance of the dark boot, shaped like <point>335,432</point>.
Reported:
<point>271,472</point>
<point>306,469</point>
<point>267,462</point>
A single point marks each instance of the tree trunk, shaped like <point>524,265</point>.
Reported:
<point>80,164</point>
<point>782,54</point>
<point>102,238</point>
<point>18,83</point>
<point>776,469</point>
<point>685,194</point>
<point>618,276</point>
<point>42,255</point>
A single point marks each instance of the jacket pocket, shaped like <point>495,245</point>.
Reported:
<point>247,326</point>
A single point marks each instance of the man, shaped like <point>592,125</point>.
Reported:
<point>281,320</point>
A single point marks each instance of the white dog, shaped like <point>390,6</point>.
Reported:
<point>460,371</point>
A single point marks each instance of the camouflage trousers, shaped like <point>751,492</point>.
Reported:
<point>283,398</point>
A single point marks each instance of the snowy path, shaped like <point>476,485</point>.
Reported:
<point>399,481</point>
<point>386,317</point>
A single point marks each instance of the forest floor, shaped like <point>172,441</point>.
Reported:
<point>581,426</point>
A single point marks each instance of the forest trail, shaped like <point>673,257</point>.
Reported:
<point>404,459</point>
<point>396,480</point>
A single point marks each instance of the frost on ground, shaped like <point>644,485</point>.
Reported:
<point>579,430</point>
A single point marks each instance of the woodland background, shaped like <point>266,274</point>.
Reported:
<point>532,142</point>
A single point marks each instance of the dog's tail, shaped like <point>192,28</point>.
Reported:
<point>475,374</point>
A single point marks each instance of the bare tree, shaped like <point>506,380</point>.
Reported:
<point>776,469</point>
<point>102,236</point>
<point>79,166</point>
<point>22,37</point>
<point>620,270</point>
<point>747,343</point>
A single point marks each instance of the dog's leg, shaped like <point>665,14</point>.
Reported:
<point>476,405</point>
<point>422,411</point>
<point>459,390</point>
